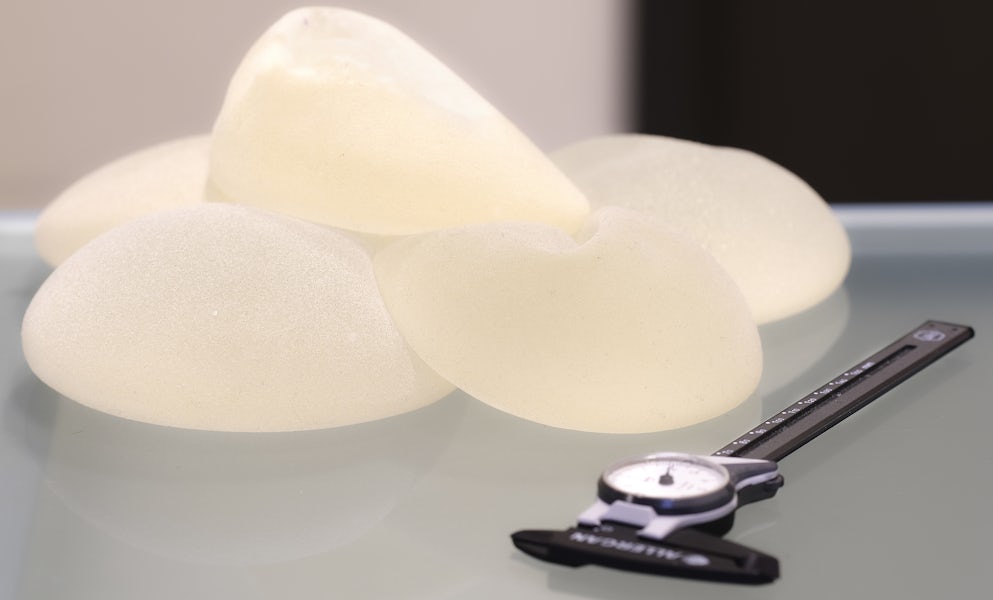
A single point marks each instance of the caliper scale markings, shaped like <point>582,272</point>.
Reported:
<point>776,423</point>
<point>846,393</point>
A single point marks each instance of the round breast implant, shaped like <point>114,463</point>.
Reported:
<point>164,176</point>
<point>226,318</point>
<point>627,328</point>
<point>775,236</point>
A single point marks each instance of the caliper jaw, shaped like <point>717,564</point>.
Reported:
<point>688,553</point>
<point>633,537</point>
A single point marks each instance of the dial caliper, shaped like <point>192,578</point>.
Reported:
<point>664,513</point>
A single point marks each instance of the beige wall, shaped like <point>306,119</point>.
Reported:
<point>82,82</point>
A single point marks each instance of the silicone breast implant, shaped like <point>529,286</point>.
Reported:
<point>228,318</point>
<point>339,118</point>
<point>776,237</point>
<point>629,328</point>
<point>168,175</point>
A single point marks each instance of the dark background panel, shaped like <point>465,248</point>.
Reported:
<point>868,102</point>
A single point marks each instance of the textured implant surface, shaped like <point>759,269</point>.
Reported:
<point>224,318</point>
<point>341,119</point>
<point>630,329</point>
<point>168,175</point>
<point>776,237</point>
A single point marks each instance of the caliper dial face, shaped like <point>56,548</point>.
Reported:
<point>668,481</point>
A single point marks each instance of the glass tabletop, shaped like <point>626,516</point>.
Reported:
<point>891,503</point>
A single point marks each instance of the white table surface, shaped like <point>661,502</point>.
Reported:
<point>893,503</point>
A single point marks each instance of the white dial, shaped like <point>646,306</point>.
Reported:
<point>668,476</point>
<point>668,481</point>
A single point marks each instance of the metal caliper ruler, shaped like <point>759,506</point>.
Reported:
<point>664,513</point>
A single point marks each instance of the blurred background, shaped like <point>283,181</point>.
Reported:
<point>85,82</point>
<point>879,101</point>
<point>869,102</point>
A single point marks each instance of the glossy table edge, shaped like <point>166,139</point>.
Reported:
<point>918,229</point>
<point>17,222</point>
